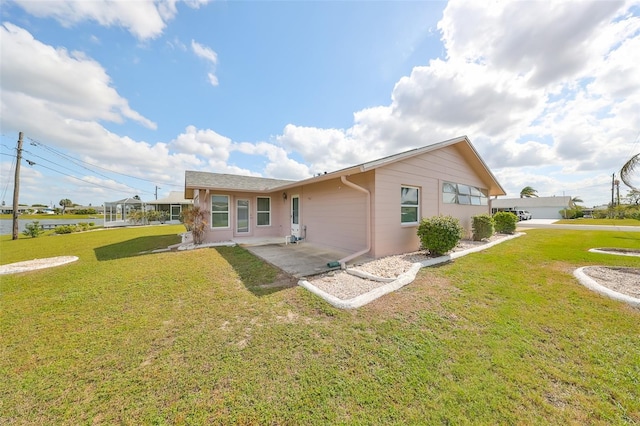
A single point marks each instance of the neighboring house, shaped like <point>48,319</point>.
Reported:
<point>539,207</point>
<point>173,205</point>
<point>372,208</point>
<point>9,209</point>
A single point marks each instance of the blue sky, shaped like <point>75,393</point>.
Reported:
<point>121,97</point>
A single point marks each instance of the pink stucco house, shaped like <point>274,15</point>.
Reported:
<point>372,208</point>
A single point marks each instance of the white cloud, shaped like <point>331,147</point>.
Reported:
<point>143,19</point>
<point>204,52</point>
<point>279,164</point>
<point>545,41</point>
<point>40,79</point>
<point>208,55</point>
<point>205,143</point>
<point>195,4</point>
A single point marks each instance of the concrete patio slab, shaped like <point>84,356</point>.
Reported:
<point>300,260</point>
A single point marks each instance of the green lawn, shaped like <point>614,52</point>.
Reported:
<point>504,336</point>
<point>588,221</point>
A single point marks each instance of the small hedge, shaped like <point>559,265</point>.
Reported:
<point>571,213</point>
<point>69,229</point>
<point>482,226</point>
<point>439,234</point>
<point>505,222</point>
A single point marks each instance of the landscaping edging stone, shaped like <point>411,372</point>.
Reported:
<point>397,283</point>
<point>605,250</point>
<point>591,284</point>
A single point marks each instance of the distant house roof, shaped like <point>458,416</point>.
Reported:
<point>174,197</point>
<point>200,180</point>
<point>531,202</point>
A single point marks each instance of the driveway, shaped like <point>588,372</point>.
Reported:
<point>550,224</point>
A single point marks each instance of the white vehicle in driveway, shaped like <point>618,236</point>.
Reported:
<point>523,214</point>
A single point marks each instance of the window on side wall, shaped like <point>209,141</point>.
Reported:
<point>264,211</point>
<point>219,211</point>
<point>409,205</point>
<point>457,193</point>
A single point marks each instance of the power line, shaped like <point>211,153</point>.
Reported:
<point>87,182</point>
<point>6,186</point>
<point>76,160</point>
<point>49,161</point>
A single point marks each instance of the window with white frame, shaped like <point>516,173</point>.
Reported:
<point>219,211</point>
<point>264,211</point>
<point>457,193</point>
<point>409,205</point>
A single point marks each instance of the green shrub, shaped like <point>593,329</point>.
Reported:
<point>157,216</point>
<point>439,234</point>
<point>65,229</point>
<point>85,211</point>
<point>32,229</point>
<point>137,217</point>
<point>505,222</point>
<point>482,226</point>
<point>571,213</point>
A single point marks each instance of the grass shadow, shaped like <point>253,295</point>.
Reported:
<point>134,247</point>
<point>628,238</point>
<point>258,276</point>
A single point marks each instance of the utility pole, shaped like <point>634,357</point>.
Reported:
<point>16,187</point>
<point>157,191</point>
<point>613,184</point>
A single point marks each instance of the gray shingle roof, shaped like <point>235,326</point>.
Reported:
<point>231,182</point>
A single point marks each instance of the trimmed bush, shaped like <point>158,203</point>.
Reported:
<point>439,234</point>
<point>85,211</point>
<point>482,226</point>
<point>65,229</point>
<point>505,222</point>
<point>571,213</point>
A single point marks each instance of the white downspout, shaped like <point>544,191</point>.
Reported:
<point>344,260</point>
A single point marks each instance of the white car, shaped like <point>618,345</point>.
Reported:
<point>523,214</point>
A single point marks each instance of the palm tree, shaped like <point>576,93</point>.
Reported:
<point>528,192</point>
<point>576,200</point>
<point>65,202</point>
<point>195,222</point>
<point>628,169</point>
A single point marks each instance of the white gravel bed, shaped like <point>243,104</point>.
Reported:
<point>31,265</point>
<point>621,280</point>
<point>386,271</point>
<point>344,285</point>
